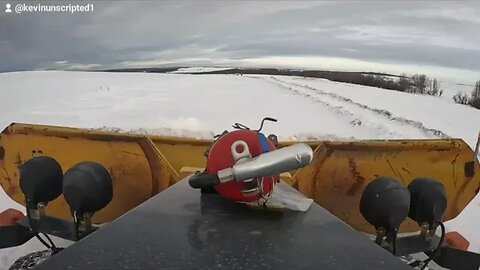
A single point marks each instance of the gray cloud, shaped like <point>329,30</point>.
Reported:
<point>439,34</point>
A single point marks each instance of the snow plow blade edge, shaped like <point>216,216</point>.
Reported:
<point>144,165</point>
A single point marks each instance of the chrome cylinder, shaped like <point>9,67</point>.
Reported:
<point>276,162</point>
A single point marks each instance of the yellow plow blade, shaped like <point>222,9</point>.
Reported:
<point>141,166</point>
<point>340,171</point>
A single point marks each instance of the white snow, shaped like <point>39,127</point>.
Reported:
<point>451,89</point>
<point>201,106</point>
<point>448,88</point>
<point>399,114</point>
<point>199,69</point>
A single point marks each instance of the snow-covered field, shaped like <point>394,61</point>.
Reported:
<point>451,89</point>
<point>198,70</point>
<point>201,106</point>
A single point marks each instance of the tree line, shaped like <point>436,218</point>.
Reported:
<point>421,84</point>
<point>418,84</point>
<point>473,99</point>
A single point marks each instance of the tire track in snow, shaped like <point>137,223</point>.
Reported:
<point>383,112</point>
<point>378,121</point>
<point>374,129</point>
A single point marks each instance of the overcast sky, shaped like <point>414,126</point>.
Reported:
<point>436,37</point>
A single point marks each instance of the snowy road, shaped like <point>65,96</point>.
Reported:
<point>203,105</point>
<point>379,122</point>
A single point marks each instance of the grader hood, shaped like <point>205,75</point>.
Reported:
<point>142,166</point>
